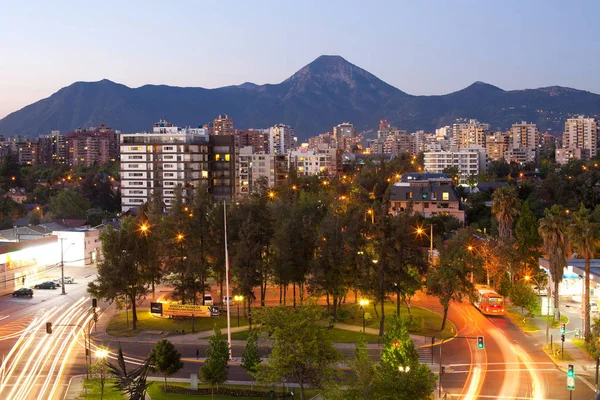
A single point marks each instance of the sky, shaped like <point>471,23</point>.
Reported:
<point>420,47</point>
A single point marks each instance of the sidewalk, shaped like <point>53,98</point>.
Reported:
<point>584,365</point>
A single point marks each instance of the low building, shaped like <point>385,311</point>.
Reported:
<point>468,162</point>
<point>564,155</point>
<point>426,194</point>
<point>522,156</point>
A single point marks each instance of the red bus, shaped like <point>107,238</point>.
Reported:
<point>488,301</point>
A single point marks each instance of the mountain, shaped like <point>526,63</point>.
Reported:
<point>322,94</point>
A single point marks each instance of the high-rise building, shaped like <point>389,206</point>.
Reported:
<point>344,135</point>
<point>468,134</point>
<point>323,160</point>
<point>281,139</point>
<point>257,138</point>
<point>170,156</point>
<point>93,146</point>
<point>581,133</point>
<point>223,125</point>
<point>496,144</point>
<point>525,135</point>
<point>254,170</point>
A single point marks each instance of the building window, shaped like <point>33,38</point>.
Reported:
<point>205,174</point>
<point>409,195</point>
<point>445,196</point>
<point>426,205</point>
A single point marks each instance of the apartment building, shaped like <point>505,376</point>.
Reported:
<point>258,139</point>
<point>468,162</point>
<point>170,156</point>
<point>281,139</point>
<point>496,144</point>
<point>428,194</point>
<point>92,146</point>
<point>472,133</point>
<point>322,160</point>
<point>254,170</point>
<point>580,133</point>
<point>222,125</point>
<point>522,156</point>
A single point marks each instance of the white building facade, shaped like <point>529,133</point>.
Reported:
<point>467,162</point>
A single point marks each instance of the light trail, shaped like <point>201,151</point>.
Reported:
<point>35,365</point>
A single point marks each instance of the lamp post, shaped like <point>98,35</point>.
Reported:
<point>421,231</point>
<point>238,300</point>
<point>62,265</point>
<point>363,304</point>
<point>371,213</point>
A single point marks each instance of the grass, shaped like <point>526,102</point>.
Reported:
<point>155,392</point>
<point>580,343</point>
<point>431,320</point>
<point>117,326</point>
<point>339,336</point>
<point>554,353</point>
<point>93,390</point>
<point>524,323</point>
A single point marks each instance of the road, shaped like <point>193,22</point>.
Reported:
<point>512,365</point>
<point>35,364</point>
<point>38,365</point>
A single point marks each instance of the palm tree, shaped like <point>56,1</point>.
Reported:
<point>584,239</point>
<point>505,207</point>
<point>553,230</point>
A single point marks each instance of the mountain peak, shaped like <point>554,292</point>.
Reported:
<point>479,85</point>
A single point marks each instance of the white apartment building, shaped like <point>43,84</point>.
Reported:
<point>521,156</point>
<point>581,133</point>
<point>563,156</point>
<point>160,160</point>
<point>324,160</point>
<point>281,139</point>
<point>467,134</point>
<point>467,162</point>
<point>253,167</point>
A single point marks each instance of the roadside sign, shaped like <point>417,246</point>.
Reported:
<point>156,308</point>
<point>571,382</point>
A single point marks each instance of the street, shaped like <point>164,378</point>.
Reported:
<point>39,365</point>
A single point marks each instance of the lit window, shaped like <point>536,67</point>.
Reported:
<point>445,196</point>
<point>217,157</point>
<point>227,157</point>
<point>205,174</point>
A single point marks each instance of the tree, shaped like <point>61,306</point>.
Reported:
<point>199,237</point>
<point>528,239</point>
<point>121,272</point>
<point>553,229</point>
<point>399,375</point>
<point>584,239</point>
<point>100,371</point>
<point>363,366</point>
<point>593,344</point>
<point>448,281</point>
<point>505,207</point>
<point>251,357</point>
<point>69,203</point>
<point>132,382</point>
<point>214,370</point>
<point>165,359</point>
<point>302,348</point>
<point>522,295</point>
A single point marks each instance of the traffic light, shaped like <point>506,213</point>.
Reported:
<point>571,371</point>
<point>562,328</point>
<point>48,327</point>
<point>562,337</point>
<point>480,344</point>
<point>94,303</point>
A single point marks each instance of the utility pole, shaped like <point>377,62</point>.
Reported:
<point>62,267</point>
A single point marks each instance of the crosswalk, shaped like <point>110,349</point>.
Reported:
<point>425,354</point>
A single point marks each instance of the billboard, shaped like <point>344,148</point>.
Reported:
<point>186,310</point>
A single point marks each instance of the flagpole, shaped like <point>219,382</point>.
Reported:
<point>227,281</point>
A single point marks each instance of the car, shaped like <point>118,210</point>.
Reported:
<point>541,292</point>
<point>23,292</point>
<point>227,299</point>
<point>69,279</point>
<point>56,282</point>
<point>45,285</point>
<point>208,299</point>
<point>593,307</point>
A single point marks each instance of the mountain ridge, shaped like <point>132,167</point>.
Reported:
<point>315,98</point>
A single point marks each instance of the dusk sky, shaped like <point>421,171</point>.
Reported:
<point>425,47</point>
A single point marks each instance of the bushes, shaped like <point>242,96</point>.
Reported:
<point>344,314</point>
<point>413,323</point>
<point>225,391</point>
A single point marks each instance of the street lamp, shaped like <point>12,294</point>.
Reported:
<point>403,369</point>
<point>420,231</point>
<point>238,300</point>
<point>62,265</point>
<point>372,214</point>
<point>363,304</point>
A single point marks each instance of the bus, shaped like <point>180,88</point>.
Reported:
<point>488,301</point>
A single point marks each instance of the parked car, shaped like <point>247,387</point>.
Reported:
<point>69,279</point>
<point>208,299</point>
<point>542,292</point>
<point>45,285</point>
<point>56,282</point>
<point>23,292</point>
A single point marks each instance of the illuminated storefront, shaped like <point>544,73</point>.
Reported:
<point>28,262</point>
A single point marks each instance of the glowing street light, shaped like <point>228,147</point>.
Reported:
<point>372,214</point>
<point>101,353</point>
<point>271,195</point>
<point>238,300</point>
